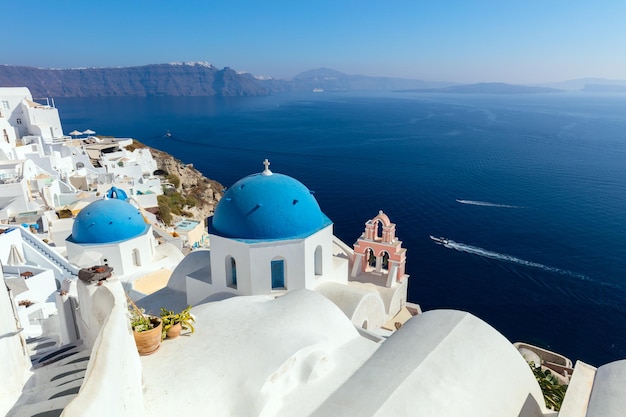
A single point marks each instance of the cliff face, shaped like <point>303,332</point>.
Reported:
<point>149,80</point>
<point>191,184</point>
<point>189,79</point>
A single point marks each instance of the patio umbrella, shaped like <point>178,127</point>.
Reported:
<point>89,132</point>
<point>75,133</point>
<point>15,257</point>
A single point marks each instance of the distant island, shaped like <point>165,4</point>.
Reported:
<point>486,88</point>
<point>605,88</point>
<point>204,79</point>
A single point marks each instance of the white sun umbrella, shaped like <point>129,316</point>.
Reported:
<point>89,132</point>
<point>15,257</point>
<point>75,133</point>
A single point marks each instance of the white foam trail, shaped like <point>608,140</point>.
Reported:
<point>508,258</point>
<point>485,204</point>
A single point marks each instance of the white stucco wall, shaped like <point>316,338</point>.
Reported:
<point>248,357</point>
<point>607,396</point>
<point>113,380</point>
<point>15,363</point>
<point>261,256</point>
<point>253,260</point>
<point>364,308</point>
<point>118,255</point>
<point>10,132</point>
<point>578,391</point>
<point>45,122</point>
<point>14,97</point>
<point>324,239</point>
<point>441,363</point>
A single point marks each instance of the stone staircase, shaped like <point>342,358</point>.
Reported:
<point>58,373</point>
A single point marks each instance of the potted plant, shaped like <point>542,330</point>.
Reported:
<point>173,323</point>
<point>147,330</point>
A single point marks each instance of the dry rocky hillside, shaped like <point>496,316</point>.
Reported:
<point>187,193</point>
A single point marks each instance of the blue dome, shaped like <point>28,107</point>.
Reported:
<point>268,207</point>
<point>106,221</point>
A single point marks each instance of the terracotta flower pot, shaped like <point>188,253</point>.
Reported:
<point>149,341</point>
<point>174,331</point>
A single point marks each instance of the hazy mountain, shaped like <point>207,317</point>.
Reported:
<point>186,79</point>
<point>190,79</point>
<point>486,88</point>
<point>580,83</point>
<point>605,88</point>
<point>331,80</point>
<point>203,79</point>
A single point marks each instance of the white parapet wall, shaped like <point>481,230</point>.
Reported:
<point>15,363</point>
<point>113,380</point>
<point>576,399</point>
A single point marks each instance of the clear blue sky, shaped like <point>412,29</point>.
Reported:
<point>521,41</point>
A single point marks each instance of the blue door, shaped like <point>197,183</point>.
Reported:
<point>278,274</point>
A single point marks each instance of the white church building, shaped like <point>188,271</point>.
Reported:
<point>268,236</point>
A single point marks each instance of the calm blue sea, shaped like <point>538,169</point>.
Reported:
<point>531,190</point>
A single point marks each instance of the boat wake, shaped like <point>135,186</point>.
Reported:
<point>485,204</point>
<point>461,247</point>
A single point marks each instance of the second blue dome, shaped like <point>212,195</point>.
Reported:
<point>106,221</point>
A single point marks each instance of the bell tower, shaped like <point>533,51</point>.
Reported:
<point>378,252</point>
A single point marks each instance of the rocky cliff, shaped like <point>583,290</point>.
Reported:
<point>188,192</point>
<point>186,79</point>
<point>150,80</point>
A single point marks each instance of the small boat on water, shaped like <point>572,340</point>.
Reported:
<point>440,240</point>
<point>168,134</point>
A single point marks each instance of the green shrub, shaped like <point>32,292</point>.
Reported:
<point>553,390</point>
<point>165,213</point>
<point>191,202</point>
<point>174,179</point>
<point>172,202</point>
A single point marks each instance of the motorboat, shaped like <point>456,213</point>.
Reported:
<point>440,240</point>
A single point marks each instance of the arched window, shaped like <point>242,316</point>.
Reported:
<point>136,257</point>
<point>80,165</point>
<point>385,260</point>
<point>379,230</point>
<point>371,258</point>
<point>278,274</point>
<point>231,272</point>
<point>318,260</point>
<point>18,121</point>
